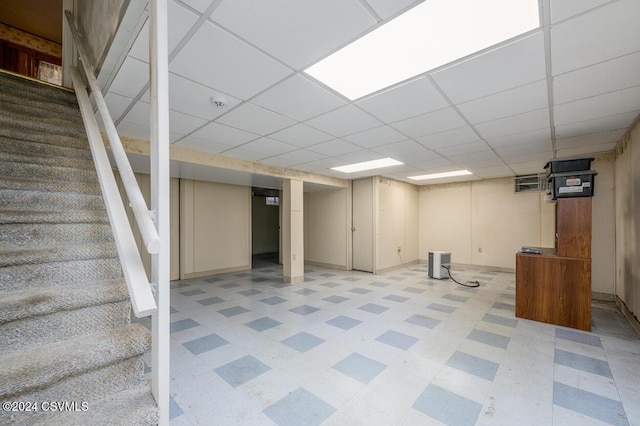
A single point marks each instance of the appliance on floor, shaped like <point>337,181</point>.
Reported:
<point>437,262</point>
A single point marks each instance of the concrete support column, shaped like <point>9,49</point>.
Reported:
<point>292,231</point>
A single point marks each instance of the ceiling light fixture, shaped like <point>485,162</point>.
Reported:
<point>368,165</point>
<point>432,34</point>
<point>441,175</point>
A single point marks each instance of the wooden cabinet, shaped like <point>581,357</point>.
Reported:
<point>555,286</point>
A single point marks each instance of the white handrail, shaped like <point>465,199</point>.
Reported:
<point>138,204</point>
<point>142,300</point>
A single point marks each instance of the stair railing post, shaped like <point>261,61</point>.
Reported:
<point>159,157</point>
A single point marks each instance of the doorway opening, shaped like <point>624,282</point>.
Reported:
<point>265,227</point>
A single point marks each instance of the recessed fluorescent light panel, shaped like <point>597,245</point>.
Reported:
<point>441,175</point>
<point>367,165</point>
<point>432,34</point>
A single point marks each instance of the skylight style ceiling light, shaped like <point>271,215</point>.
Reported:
<point>428,36</point>
<point>441,175</point>
<point>367,165</point>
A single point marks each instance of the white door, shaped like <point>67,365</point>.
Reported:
<point>362,225</point>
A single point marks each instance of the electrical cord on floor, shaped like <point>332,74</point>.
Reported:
<point>475,283</point>
<point>406,266</point>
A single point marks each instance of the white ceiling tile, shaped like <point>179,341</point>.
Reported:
<point>117,105</point>
<point>601,34</point>
<point>463,135</point>
<point>139,114</point>
<point>299,98</point>
<point>435,165</point>
<point>433,122</point>
<point>407,100</point>
<point>301,135</point>
<point>624,101</point>
<point>180,21</point>
<point>453,150</point>
<point>298,33</point>
<point>131,78</point>
<point>220,61</point>
<point>521,150</point>
<point>203,145</point>
<point>492,172</point>
<point>586,150</point>
<point>255,119</point>
<point>278,162</point>
<point>614,122</point>
<point>199,5</point>
<point>616,74</point>
<point>184,124</point>
<point>505,67</point>
<point>219,133</point>
<point>269,147</point>
<point>302,156</point>
<point>611,136</point>
<point>387,8</point>
<point>527,167</point>
<point>360,156</point>
<point>375,137</point>
<point>510,102</point>
<point>563,9</point>
<point>514,124</point>
<point>344,121</point>
<point>133,130</point>
<point>334,147</point>
<point>483,157</point>
<point>402,149</point>
<point>534,136</point>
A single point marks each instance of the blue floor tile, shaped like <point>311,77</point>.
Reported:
<point>373,308</point>
<point>305,291</point>
<point>335,299</point>
<point>479,367</point>
<point>210,301</point>
<point>262,324</point>
<point>344,322</point>
<point>360,367</point>
<point>488,338</point>
<point>250,292</point>
<point>442,308</point>
<point>304,310</point>
<point>204,344</point>
<point>496,319</point>
<point>181,325</point>
<point>230,285</point>
<point>174,409</point>
<point>455,297</point>
<point>447,407</point>
<point>396,298</point>
<point>242,370</point>
<point>359,290</point>
<point>576,336</point>
<point>379,284</point>
<point>299,408</point>
<point>233,311</point>
<point>330,284</point>
<point>504,306</point>
<point>192,292</point>
<point>584,363</point>
<point>423,321</point>
<point>587,403</point>
<point>397,339</point>
<point>413,290</point>
<point>274,300</point>
<point>302,342</point>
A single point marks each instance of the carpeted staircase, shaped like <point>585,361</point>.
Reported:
<point>65,329</point>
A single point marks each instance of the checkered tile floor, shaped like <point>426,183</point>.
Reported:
<point>351,348</point>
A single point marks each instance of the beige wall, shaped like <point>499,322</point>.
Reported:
<point>396,223</point>
<point>98,21</point>
<point>483,223</point>
<point>215,231</point>
<point>603,241</point>
<point>326,228</point>
<point>627,202</point>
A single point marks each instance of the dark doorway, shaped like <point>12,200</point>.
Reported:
<point>265,227</point>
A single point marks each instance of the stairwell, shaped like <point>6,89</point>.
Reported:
<point>65,330</point>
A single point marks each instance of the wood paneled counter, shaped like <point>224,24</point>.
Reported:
<point>554,289</point>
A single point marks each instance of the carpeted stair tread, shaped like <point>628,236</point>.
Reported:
<point>38,366</point>
<point>43,172</point>
<point>42,148</point>
<point>44,216</point>
<point>23,113</point>
<point>47,185</point>
<point>35,302</point>
<point>20,123</point>
<point>45,200</point>
<point>132,407</point>
<point>77,141</point>
<point>46,160</point>
<point>14,103</point>
<point>25,235</point>
<point>35,92</point>
<point>58,274</point>
<point>18,255</point>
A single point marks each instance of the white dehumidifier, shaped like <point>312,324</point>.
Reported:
<point>438,259</point>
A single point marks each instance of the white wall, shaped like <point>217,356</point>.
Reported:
<point>627,202</point>
<point>215,231</point>
<point>326,228</point>
<point>483,223</point>
<point>396,223</point>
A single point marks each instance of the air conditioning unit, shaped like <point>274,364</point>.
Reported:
<point>438,259</point>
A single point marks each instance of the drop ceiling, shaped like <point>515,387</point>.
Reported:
<point>569,88</point>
